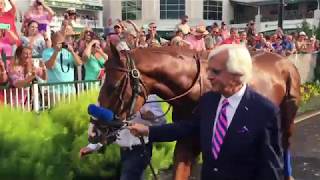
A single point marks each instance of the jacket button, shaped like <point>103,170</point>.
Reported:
<point>215,169</point>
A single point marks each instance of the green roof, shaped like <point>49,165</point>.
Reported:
<point>82,6</point>
<point>267,2</point>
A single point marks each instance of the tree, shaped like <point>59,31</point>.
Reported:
<point>306,27</point>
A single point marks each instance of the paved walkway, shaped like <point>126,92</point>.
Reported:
<point>306,149</point>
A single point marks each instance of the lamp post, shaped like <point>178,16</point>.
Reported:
<point>281,14</point>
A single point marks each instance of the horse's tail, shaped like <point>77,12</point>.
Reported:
<point>290,103</point>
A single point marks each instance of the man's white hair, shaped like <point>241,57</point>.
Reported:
<point>239,60</point>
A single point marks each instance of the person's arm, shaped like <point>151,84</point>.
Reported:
<point>51,62</point>
<point>13,7</point>
<point>87,51</point>
<point>47,40</point>
<point>44,74</point>
<point>103,54</point>
<point>76,57</point>
<point>167,132</point>
<point>13,38</point>
<point>50,11</point>
<point>271,152</point>
<point>3,73</point>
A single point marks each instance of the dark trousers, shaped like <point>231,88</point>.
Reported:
<point>134,162</point>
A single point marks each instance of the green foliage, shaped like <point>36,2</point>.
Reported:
<point>317,31</point>
<point>307,28</point>
<point>46,145</point>
<point>309,90</point>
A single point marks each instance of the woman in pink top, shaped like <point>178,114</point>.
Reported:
<point>40,13</point>
<point>9,16</point>
<point>22,72</point>
<point>196,39</point>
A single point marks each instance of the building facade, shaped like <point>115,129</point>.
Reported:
<point>166,13</point>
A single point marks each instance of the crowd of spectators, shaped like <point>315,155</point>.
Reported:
<point>36,53</point>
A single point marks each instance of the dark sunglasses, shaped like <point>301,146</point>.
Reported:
<point>215,72</point>
<point>89,32</point>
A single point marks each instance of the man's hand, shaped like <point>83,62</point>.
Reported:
<point>85,151</point>
<point>139,129</point>
<point>70,48</point>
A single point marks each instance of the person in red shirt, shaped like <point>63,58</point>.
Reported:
<point>234,37</point>
<point>8,17</point>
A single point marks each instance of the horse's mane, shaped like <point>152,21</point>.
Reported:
<point>174,51</point>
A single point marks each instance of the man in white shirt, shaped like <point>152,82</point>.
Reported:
<point>133,158</point>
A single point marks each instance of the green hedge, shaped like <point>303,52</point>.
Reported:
<point>46,145</point>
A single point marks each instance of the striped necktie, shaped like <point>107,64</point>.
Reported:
<point>221,129</point>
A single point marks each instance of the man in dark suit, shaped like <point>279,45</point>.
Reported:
<point>239,129</point>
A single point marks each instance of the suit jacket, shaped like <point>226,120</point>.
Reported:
<point>251,149</point>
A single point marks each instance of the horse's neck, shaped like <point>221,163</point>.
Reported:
<point>170,77</point>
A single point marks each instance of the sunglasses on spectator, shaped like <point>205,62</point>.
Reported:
<point>215,72</point>
<point>89,32</point>
<point>154,27</point>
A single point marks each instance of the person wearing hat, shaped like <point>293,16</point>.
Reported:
<point>196,38</point>
<point>301,43</point>
<point>183,26</point>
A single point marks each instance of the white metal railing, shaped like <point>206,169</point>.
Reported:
<point>39,97</point>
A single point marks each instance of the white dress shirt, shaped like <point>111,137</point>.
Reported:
<point>234,101</point>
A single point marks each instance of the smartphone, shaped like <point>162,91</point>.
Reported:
<point>4,26</point>
<point>42,27</point>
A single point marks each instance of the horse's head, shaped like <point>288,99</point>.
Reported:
<point>122,91</point>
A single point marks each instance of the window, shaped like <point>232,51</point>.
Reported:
<point>212,10</point>
<point>172,9</point>
<point>131,9</point>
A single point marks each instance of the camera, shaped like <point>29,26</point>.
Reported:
<point>64,45</point>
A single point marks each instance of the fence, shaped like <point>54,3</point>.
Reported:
<point>40,96</point>
<point>306,65</point>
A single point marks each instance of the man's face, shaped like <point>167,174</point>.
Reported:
<point>58,39</point>
<point>221,80</point>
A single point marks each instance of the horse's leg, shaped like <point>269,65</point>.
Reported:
<point>288,111</point>
<point>186,150</point>
<point>185,155</point>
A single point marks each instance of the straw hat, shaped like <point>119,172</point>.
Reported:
<point>200,30</point>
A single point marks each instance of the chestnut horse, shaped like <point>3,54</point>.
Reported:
<point>179,76</point>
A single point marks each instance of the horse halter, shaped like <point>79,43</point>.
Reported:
<point>132,76</point>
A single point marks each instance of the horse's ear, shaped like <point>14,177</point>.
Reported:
<point>114,51</point>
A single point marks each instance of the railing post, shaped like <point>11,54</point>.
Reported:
<point>35,96</point>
